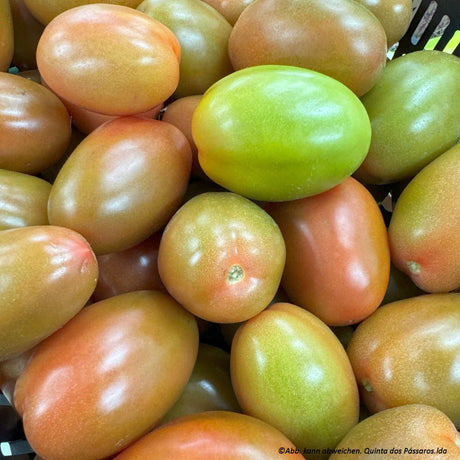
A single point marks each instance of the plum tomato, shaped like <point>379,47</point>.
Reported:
<point>35,127</point>
<point>277,133</point>
<point>109,59</point>
<point>212,435</point>
<point>122,183</point>
<point>6,36</point>
<point>290,370</point>
<point>407,352</point>
<point>339,38</point>
<point>48,275</point>
<point>107,377</point>
<point>337,252</point>
<point>221,256</point>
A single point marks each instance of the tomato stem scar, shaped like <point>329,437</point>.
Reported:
<point>367,386</point>
<point>235,274</point>
<point>413,267</point>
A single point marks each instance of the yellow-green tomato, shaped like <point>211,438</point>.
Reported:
<point>23,200</point>
<point>289,369</point>
<point>107,377</point>
<point>276,133</point>
<point>203,35</point>
<point>48,274</point>
<point>6,36</point>
<point>209,386</point>
<point>414,115</point>
<point>122,183</point>
<point>407,352</point>
<point>222,257</point>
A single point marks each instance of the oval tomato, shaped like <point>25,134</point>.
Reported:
<point>6,36</point>
<point>107,377</point>
<point>212,435</point>
<point>109,59</point>
<point>277,133</point>
<point>337,252</point>
<point>221,257</point>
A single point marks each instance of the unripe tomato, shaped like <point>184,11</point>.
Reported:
<point>109,59</point>
<point>6,36</point>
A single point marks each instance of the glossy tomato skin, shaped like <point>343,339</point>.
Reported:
<point>424,228</point>
<point>122,183</point>
<point>107,377</point>
<point>339,38</point>
<point>203,35</point>
<point>418,427</point>
<point>221,256</point>
<point>209,387</point>
<point>412,115</point>
<point>260,132</point>
<point>6,36</point>
<point>337,252</point>
<point>24,200</point>
<point>134,269</point>
<point>46,10</point>
<point>110,50</point>
<point>394,15</point>
<point>214,434</point>
<point>27,33</point>
<point>35,134</point>
<point>229,9</point>
<point>49,273</point>
<point>286,363</point>
<point>407,352</point>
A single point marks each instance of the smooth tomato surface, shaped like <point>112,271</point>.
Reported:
<point>277,133</point>
<point>107,377</point>
<point>337,252</point>
<point>6,36</point>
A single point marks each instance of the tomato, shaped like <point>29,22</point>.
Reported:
<point>107,377</point>
<point>289,370</point>
<point>411,431</point>
<point>126,192</point>
<point>339,38</point>
<point>91,53</point>
<point>133,269</point>
<point>24,200</point>
<point>46,10</point>
<point>34,125</point>
<point>216,434</point>
<point>412,114</point>
<point>6,36</point>
<point>407,352</point>
<point>229,9</point>
<point>394,15</point>
<point>27,33</point>
<point>203,35</point>
<point>48,274</point>
<point>209,387</point>
<point>337,252</point>
<point>276,133</point>
<point>424,228</point>
<point>221,257</point>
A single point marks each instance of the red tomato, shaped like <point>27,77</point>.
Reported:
<point>337,252</point>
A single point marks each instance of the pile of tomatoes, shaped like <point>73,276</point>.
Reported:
<point>228,230</point>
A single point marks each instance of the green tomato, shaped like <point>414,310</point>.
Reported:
<point>277,133</point>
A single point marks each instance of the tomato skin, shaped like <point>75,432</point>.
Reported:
<point>339,38</point>
<point>407,352</point>
<point>337,252</point>
<point>221,257</point>
<point>203,35</point>
<point>122,183</point>
<point>6,36</point>
<point>23,199</point>
<point>215,434</point>
<point>89,53</point>
<point>41,267</point>
<point>107,377</point>
<point>36,133</point>
<point>285,363</point>
<point>229,9</point>
<point>260,132</point>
